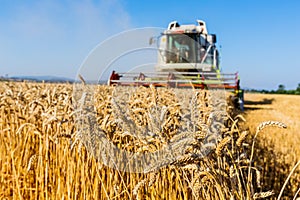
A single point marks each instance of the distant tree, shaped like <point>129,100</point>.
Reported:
<point>281,89</point>
<point>298,88</point>
<point>297,91</point>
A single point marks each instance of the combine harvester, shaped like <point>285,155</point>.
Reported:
<point>187,57</point>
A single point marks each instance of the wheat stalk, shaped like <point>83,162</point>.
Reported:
<point>286,181</point>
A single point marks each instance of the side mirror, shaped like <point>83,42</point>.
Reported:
<point>152,40</point>
<point>212,38</point>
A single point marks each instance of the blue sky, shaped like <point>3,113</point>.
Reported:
<point>259,38</point>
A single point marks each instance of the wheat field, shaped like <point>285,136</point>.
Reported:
<point>279,149</point>
<point>51,145</point>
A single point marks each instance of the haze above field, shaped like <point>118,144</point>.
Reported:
<point>260,39</point>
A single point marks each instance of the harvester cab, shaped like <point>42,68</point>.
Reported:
<point>188,48</point>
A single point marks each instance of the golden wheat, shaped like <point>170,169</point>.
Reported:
<point>50,144</point>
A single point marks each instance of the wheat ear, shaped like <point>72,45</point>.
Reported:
<point>263,195</point>
<point>222,145</point>
<point>270,123</point>
<point>242,138</point>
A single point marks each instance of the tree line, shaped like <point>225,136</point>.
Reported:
<point>280,90</point>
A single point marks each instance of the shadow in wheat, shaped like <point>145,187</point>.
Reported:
<point>165,126</point>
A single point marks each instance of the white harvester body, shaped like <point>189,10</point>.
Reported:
<point>187,48</point>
